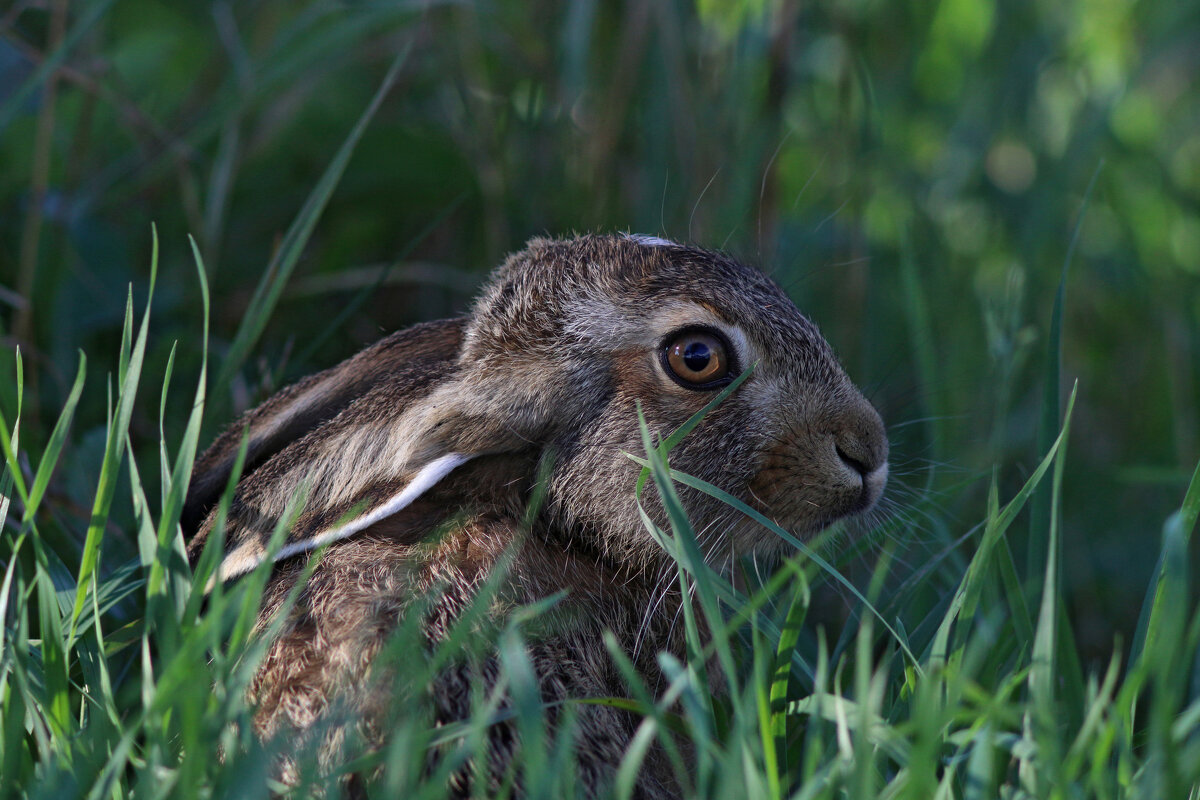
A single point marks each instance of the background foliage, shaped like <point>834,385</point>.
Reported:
<point>912,172</point>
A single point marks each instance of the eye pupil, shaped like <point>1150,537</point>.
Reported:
<point>696,356</point>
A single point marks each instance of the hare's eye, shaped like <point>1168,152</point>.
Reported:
<point>697,359</point>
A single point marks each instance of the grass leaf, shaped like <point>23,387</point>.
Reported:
<point>275,277</point>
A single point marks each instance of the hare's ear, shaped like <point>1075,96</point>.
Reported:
<point>304,406</point>
<point>314,438</point>
<point>370,455</point>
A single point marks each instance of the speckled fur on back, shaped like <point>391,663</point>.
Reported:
<point>453,421</point>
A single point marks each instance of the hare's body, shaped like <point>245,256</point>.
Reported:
<point>448,426</point>
<point>363,587</point>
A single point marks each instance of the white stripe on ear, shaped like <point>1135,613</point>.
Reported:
<point>249,555</point>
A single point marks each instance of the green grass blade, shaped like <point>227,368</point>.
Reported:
<point>1185,520</point>
<point>170,574</point>
<point>12,724</point>
<point>56,699</point>
<point>114,446</point>
<point>279,271</point>
<point>1014,593</point>
<point>1050,420</point>
<point>1168,655</point>
<point>127,332</point>
<point>676,436</point>
<point>1043,673</point>
<point>54,446</point>
<point>966,598</point>
<point>9,443</point>
<point>164,456</point>
<point>1189,512</point>
<point>688,552</point>
<point>788,639</point>
<point>6,478</point>
<point>146,539</point>
<point>732,501</point>
<point>6,645</point>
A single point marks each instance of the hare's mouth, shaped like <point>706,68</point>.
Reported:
<point>805,501</point>
<point>814,489</point>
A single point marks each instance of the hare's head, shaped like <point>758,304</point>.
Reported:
<point>546,372</point>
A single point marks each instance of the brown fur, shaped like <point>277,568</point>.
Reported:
<point>546,373</point>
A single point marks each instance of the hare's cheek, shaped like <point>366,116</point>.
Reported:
<point>632,376</point>
<point>638,377</point>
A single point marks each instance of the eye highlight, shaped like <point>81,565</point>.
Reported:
<point>697,358</point>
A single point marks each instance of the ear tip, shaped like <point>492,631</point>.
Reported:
<point>240,560</point>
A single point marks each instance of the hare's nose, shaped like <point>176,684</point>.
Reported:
<point>853,462</point>
<point>861,442</point>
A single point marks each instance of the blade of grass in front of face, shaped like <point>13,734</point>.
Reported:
<point>750,609</point>
<point>865,764</point>
<point>635,755</point>
<point>761,519</point>
<point>742,608</point>
<point>696,700</point>
<point>115,443</point>
<point>676,436</point>
<point>814,737</point>
<point>690,556</point>
<point>279,271</point>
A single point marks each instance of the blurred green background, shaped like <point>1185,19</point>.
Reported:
<point>912,172</point>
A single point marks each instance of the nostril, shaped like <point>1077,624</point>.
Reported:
<point>855,464</point>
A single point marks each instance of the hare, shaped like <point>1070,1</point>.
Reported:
<point>447,426</point>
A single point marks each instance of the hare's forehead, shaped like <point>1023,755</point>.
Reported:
<point>778,338</point>
<point>613,325</point>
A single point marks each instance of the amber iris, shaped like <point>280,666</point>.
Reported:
<point>697,359</point>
